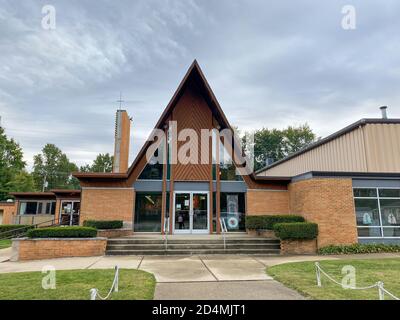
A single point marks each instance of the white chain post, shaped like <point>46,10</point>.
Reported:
<point>380,290</point>
<point>93,294</point>
<point>117,279</point>
<point>318,272</point>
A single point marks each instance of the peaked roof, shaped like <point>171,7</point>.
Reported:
<point>193,74</point>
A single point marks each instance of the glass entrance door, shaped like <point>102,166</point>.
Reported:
<point>182,212</point>
<point>191,212</point>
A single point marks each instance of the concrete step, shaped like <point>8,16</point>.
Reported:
<point>194,252</point>
<point>193,241</point>
<point>192,246</point>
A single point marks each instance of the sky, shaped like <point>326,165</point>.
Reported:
<point>270,64</point>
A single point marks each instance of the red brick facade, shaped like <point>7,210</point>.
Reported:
<point>36,249</point>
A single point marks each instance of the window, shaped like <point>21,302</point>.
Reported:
<point>66,206</point>
<point>37,207</point>
<point>226,166</point>
<point>233,210</point>
<point>28,207</point>
<point>148,212</point>
<point>377,212</point>
<point>154,168</point>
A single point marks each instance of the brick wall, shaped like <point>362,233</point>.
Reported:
<point>36,249</point>
<point>114,233</point>
<point>298,246</point>
<point>328,202</point>
<point>8,210</point>
<point>264,202</point>
<point>107,204</point>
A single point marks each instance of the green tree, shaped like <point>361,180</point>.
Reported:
<point>296,138</point>
<point>102,163</point>
<point>22,182</point>
<point>271,145</point>
<point>11,162</point>
<point>52,169</point>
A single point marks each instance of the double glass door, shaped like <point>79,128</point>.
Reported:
<point>191,212</point>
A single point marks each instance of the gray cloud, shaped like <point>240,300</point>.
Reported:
<point>270,63</point>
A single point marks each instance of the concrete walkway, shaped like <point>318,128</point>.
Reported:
<point>195,277</point>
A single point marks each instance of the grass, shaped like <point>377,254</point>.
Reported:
<point>301,277</point>
<point>75,285</point>
<point>5,243</point>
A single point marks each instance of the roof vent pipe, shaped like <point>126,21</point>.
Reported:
<point>384,112</point>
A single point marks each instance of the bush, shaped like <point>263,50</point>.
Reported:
<point>359,248</point>
<point>63,232</point>
<point>268,222</point>
<point>13,230</point>
<point>296,230</point>
<point>103,224</point>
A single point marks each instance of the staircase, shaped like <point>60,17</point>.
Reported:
<point>192,246</point>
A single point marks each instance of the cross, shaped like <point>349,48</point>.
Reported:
<point>120,100</point>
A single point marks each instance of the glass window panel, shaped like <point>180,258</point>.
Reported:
<point>154,169</point>
<point>66,206</point>
<point>389,193</point>
<point>40,208</point>
<point>148,212</point>
<point>30,208</point>
<point>367,213</point>
<point>53,207</point>
<point>369,232</point>
<point>233,210</point>
<point>227,168</point>
<point>391,232</point>
<point>22,208</point>
<point>48,207</point>
<point>365,193</point>
<point>390,210</point>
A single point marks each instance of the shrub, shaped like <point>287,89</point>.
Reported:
<point>103,224</point>
<point>63,232</point>
<point>359,248</point>
<point>13,230</point>
<point>267,222</point>
<point>296,230</point>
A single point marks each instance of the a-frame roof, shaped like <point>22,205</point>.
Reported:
<point>196,75</point>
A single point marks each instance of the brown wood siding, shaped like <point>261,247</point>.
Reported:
<point>192,112</point>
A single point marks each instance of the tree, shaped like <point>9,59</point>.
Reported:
<point>296,138</point>
<point>22,182</point>
<point>271,145</point>
<point>52,169</point>
<point>102,163</point>
<point>11,162</point>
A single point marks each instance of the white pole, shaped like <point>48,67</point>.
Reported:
<point>318,272</point>
<point>116,279</point>
<point>380,291</point>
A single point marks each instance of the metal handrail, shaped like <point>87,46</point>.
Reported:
<point>166,231</point>
<point>26,228</point>
<point>224,230</point>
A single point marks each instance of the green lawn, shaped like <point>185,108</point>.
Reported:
<point>301,277</point>
<point>5,243</point>
<point>75,284</point>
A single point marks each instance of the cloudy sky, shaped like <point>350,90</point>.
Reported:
<point>270,64</point>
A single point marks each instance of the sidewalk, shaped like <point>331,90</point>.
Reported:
<point>195,277</point>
